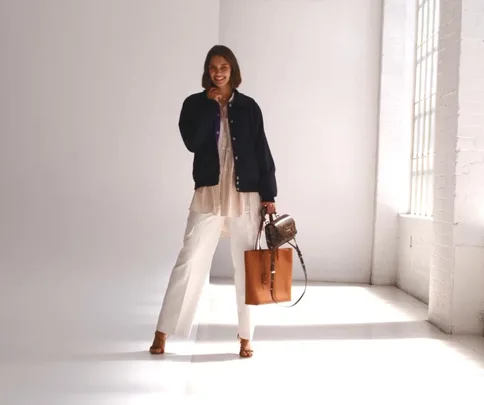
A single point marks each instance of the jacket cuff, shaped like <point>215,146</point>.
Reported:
<point>267,198</point>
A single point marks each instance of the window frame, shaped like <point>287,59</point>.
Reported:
<point>424,105</point>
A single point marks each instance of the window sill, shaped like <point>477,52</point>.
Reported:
<point>411,216</point>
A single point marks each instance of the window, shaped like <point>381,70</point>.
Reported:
<point>422,176</point>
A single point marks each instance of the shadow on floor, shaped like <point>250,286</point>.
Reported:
<point>385,330</point>
<point>172,357</point>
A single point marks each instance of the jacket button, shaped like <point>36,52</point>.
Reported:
<point>236,157</point>
<point>231,121</point>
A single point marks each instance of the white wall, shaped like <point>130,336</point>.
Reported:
<point>403,244</point>
<point>313,66</point>
<point>469,201</point>
<point>447,110</point>
<point>441,261</point>
<point>94,177</point>
<point>91,93</point>
<point>415,244</point>
<point>394,135</point>
<point>457,271</point>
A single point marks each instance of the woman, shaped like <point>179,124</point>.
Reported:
<point>234,176</point>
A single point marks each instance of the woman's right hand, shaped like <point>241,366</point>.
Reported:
<point>215,94</point>
<point>269,207</point>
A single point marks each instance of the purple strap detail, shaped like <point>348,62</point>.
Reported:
<point>217,127</point>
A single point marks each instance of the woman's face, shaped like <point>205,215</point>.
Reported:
<point>219,71</point>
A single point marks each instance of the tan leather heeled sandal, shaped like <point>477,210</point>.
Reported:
<point>158,346</point>
<point>244,350</point>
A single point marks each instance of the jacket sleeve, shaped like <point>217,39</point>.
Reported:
<point>196,122</point>
<point>267,168</point>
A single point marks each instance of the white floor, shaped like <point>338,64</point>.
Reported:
<point>87,344</point>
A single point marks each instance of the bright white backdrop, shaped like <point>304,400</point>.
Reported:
<point>313,66</point>
<point>94,178</point>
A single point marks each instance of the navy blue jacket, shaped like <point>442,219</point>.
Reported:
<point>254,166</point>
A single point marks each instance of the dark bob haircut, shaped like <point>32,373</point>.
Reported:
<point>228,55</point>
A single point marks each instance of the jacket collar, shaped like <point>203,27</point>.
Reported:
<point>238,98</point>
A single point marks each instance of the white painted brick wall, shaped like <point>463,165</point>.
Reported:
<point>457,266</point>
<point>468,291</point>
<point>442,261</point>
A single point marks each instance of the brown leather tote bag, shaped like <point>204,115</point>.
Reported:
<point>268,272</point>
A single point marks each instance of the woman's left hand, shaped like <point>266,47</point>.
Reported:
<point>270,207</point>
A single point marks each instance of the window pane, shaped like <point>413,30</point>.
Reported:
<point>422,175</point>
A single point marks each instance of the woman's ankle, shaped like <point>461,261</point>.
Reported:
<point>161,334</point>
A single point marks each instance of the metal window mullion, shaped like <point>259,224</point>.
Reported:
<point>413,184</point>
<point>427,106</point>
<point>435,47</point>
<point>431,185</point>
<point>423,87</point>
<point>432,48</point>
<point>420,64</point>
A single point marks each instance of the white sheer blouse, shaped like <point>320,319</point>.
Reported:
<point>223,199</point>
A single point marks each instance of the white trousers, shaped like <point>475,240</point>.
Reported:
<point>192,268</point>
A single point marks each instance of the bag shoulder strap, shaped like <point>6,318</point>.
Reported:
<point>273,273</point>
